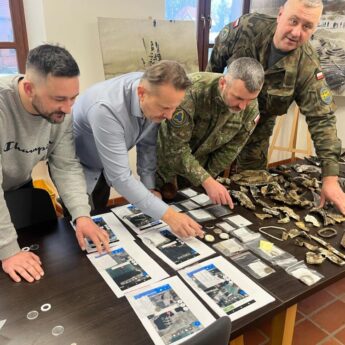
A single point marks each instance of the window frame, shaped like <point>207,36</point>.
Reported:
<point>20,42</point>
<point>203,29</point>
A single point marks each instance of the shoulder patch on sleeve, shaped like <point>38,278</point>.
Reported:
<point>326,95</point>
<point>195,77</point>
<point>223,35</point>
<point>179,119</point>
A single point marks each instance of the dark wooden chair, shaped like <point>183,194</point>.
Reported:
<point>218,333</point>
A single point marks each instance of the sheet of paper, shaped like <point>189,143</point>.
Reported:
<point>238,221</point>
<point>200,215</point>
<point>225,288</point>
<point>169,311</point>
<point>202,199</point>
<point>188,192</point>
<point>188,205</point>
<point>137,221</point>
<point>127,267</point>
<point>176,252</point>
<point>117,232</point>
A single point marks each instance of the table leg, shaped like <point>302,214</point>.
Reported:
<point>238,341</point>
<point>283,327</point>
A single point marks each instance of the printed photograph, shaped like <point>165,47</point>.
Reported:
<point>126,273</point>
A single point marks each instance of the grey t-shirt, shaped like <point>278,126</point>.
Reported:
<point>25,140</point>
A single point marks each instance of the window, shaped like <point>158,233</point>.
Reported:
<point>13,38</point>
<point>210,15</point>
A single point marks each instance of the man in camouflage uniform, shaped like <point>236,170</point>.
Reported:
<point>210,127</point>
<point>292,73</point>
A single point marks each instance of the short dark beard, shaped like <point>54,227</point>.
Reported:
<point>47,117</point>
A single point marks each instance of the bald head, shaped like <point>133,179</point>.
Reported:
<point>297,20</point>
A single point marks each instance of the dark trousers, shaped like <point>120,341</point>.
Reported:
<point>24,186</point>
<point>100,194</point>
<point>98,199</point>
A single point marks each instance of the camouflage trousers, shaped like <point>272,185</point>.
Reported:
<point>254,154</point>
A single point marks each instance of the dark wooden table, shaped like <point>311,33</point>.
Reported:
<point>92,315</point>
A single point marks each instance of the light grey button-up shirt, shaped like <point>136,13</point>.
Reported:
<point>108,122</point>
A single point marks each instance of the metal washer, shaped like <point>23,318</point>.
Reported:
<point>58,330</point>
<point>46,307</point>
<point>32,315</point>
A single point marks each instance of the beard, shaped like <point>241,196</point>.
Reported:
<point>227,102</point>
<point>54,117</point>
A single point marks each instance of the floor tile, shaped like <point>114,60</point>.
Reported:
<point>315,301</point>
<point>338,288</point>
<point>306,333</point>
<point>341,336</point>
<point>330,341</point>
<point>254,337</point>
<point>299,316</point>
<point>331,317</point>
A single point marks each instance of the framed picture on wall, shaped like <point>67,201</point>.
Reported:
<point>270,7</point>
<point>329,42</point>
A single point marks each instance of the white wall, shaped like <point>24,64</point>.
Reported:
<point>73,24</point>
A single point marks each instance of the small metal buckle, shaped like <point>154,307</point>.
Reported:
<point>327,232</point>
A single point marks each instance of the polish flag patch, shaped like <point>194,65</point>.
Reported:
<point>319,75</point>
<point>257,119</point>
<point>235,23</point>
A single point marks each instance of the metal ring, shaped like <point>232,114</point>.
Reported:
<point>46,307</point>
<point>261,229</point>
<point>32,315</point>
<point>25,249</point>
<point>327,232</point>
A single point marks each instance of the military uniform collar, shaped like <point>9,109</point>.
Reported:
<point>218,97</point>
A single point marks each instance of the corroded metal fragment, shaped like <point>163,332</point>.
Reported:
<point>271,211</point>
<point>263,216</point>
<point>326,220</point>
<point>302,226</point>
<point>311,219</point>
<point>314,258</point>
<point>243,199</point>
<point>252,178</point>
<point>288,211</point>
<point>284,220</point>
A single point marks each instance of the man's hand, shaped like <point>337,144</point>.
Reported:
<point>332,191</point>
<point>181,224</point>
<point>85,227</point>
<point>23,264</point>
<point>217,192</point>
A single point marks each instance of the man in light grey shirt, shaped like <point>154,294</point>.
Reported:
<point>113,116</point>
<point>35,126</point>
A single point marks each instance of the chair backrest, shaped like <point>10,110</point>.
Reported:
<point>29,206</point>
<point>218,333</point>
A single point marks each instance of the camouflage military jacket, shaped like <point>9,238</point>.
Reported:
<point>203,136</point>
<point>295,77</point>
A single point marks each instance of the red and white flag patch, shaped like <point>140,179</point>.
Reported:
<point>235,23</point>
<point>319,75</point>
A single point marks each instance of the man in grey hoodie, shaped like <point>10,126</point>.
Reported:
<point>34,127</point>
